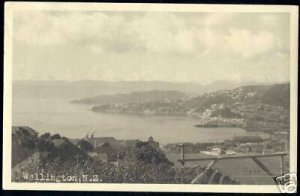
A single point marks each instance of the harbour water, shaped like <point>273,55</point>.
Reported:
<point>75,121</point>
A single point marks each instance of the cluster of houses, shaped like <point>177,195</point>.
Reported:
<point>237,145</point>
<point>107,149</point>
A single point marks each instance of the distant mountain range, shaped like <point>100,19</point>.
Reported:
<point>134,97</point>
<point>30,89</point>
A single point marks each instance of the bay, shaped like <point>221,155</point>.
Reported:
<point>75,121</point>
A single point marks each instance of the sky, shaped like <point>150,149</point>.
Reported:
<point>163,46</point>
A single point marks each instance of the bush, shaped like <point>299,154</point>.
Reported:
<point>55,136</point>
<point>45,136</point>
<point>84,145</point>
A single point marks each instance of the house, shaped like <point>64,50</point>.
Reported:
<point>99,157</point>
<point>99,141</point>
<point>153,143</point>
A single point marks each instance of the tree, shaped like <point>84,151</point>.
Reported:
<point>45,136</point>
<point>55,136</point>
<point>85,145</point>
<point>144,152</point>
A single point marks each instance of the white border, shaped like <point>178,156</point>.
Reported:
<point>11,7</point>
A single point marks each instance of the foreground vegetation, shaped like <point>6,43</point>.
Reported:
<point>57,156</point>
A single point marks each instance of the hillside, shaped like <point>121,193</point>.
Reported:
<point>277,95</point>
<point>23,143</point>
<point>56,156</point>
<point>54,159</point>
<point>32,153</point>
<point>134,97</point>
<point>260,107</point>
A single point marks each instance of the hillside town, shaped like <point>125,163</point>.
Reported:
<point>254,108</point>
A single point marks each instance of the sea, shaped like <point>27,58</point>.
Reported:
<point>76,121</point>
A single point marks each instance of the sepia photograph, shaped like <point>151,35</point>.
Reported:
<point>140,97</point>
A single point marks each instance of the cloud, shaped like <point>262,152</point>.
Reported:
<point>36,28</point>
<point>269,19</point>
<point>248,44</point>
<point>158,31</point>
<point>162,33</point>
<point>214,19</point>
<point>96,49</point>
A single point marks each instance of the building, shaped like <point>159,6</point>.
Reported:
<point>153,143</point>
<point>100,141</point>
<point>128,143</point>
<point>99,157</point>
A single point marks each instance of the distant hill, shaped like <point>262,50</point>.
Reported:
<point>277,95</point>
<point>273,95</point>
<point>31,89</point>
<point>225,112</point>
<point>256,107</point>
<point>134,97</point>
